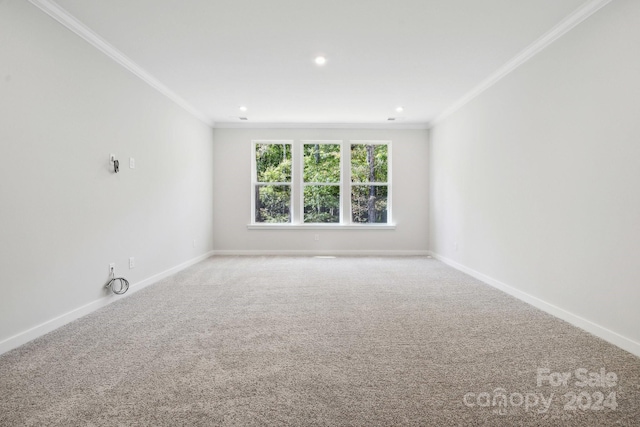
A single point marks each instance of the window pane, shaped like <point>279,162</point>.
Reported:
<point>369,203</point>
<point>369,163</point>
<point>322,203</point>
<point>273,162</point>
<point>321,163</point>
<point>273,203</point>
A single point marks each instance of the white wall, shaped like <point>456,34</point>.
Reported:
<point>538,178</point>
<point>64,107</point>
<point>232,192</point>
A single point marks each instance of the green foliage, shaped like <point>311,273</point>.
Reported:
<point>369,163</point>
<point>273,203</point>
<point>322,203</point>
<point>273,162</point>
<point>321,163</point>
<point>369,203</point>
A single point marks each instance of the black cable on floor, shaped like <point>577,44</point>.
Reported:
<point>124,284</point>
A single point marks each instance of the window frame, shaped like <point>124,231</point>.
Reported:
<point>255,182</point>
<point>297,185</point>
<point>387,183</point>
<point>303,184</point>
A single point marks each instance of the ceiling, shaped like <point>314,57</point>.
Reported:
<point>423,55</point>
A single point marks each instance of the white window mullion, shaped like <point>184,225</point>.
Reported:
<point>254,179</point>
<point>389,186</point>
<point>296,179</point>
<point>345,183</point>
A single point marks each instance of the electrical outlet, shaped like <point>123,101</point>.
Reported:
<point>132,163</point>
<point>112,267</point>
<point>455,246</point>
<point>194,243</point>
<point>132,262</point>
<point>316,237</point>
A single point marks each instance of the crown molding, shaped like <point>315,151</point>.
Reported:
<point>564,26</point>
<point>70,22</point>
<point>62,16</point>
<point>270,125</point>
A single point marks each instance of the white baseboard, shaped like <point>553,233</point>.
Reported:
<point>52,324</point>
<point>326,252</point>
<point>582,323</point>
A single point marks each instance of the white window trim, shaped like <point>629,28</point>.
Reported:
<point>254,174</point>
<point>389,175</point>
<point>297,187</point>
<point>330,226</point>
<point>302,184</point>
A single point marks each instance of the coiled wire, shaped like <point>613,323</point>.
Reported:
<point>124,284</point>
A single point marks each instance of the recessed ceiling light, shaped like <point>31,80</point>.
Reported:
<point>399,109</point>
<point>243,108</point>
<point>320,60</point>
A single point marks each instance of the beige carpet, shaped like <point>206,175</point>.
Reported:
<point>277,341</point>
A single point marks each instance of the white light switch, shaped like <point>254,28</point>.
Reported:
<point>132,163</point>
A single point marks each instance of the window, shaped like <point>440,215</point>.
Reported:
<point>272,182</point>
<point>369,183</point>
<point>321,183</point>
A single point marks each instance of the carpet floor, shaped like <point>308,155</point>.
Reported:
<point>303,341</point>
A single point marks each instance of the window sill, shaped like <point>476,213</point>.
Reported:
<point>321,226</point>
